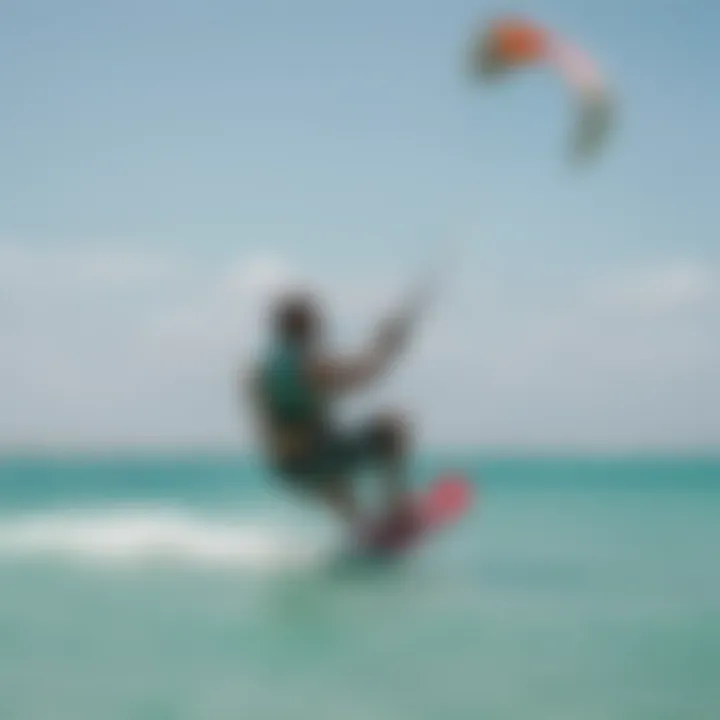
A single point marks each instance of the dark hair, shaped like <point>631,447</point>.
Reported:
<point>296,318</point>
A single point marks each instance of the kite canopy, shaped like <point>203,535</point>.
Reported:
<point>510,44</point>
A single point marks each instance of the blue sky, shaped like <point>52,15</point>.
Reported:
<point>318,125</point>
<point>343,137</point>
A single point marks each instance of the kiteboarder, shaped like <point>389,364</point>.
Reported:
<point>294,391</point>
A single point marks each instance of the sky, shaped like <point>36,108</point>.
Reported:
<point>168,165</point>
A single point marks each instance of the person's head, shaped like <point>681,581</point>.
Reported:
<point>297,319</point>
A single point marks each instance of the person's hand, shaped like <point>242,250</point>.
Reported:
<point>393,334</point>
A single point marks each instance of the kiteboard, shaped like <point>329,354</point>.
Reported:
<point>439,506</point>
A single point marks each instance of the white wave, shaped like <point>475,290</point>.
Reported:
<point>151,535</point>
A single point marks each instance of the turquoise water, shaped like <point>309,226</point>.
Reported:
<point>176,588</point>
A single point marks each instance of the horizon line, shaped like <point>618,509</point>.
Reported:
<point>236,450</point>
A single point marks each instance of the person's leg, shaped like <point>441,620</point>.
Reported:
<point>388,440</point>
<point>326,476</point>
<point>338,495</point>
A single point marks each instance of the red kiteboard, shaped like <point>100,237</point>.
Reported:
<point>443,503</point>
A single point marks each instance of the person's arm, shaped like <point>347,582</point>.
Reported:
<point>340,375</point>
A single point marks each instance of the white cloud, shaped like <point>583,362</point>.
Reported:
<point>671,286</point>
<point>122,345</point>
<point>82,269</point>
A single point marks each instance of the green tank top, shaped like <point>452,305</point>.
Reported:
<point>290,400</point>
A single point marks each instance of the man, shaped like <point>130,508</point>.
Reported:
<point>293,391</point>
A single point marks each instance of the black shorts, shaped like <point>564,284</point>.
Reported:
<point>337,455</point>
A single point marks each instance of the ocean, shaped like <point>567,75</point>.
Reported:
<point>164,588</point>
